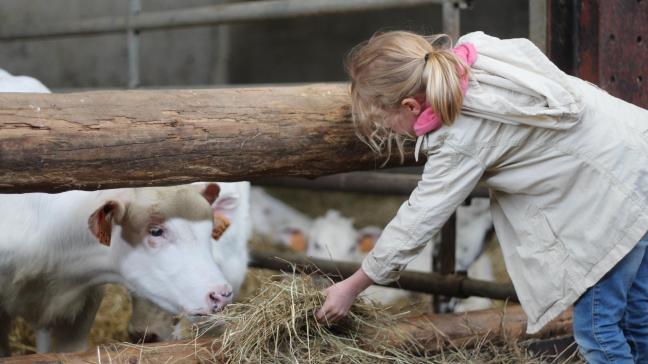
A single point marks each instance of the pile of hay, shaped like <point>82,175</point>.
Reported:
<point>278,326</point>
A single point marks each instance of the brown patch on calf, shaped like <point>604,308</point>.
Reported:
<point>159,204</point>
<point>210,193</point>
<point>221,223</point>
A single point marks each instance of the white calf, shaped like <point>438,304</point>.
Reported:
<point>481,269</point>
<point>233,228</point>
<point>10,83</point>
<point>278,222</point>
<point>333,237</point>
<point>56,250</point>
<point>474,223</point>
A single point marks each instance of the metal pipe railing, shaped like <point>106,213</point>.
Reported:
<point>212,15</point>
<point>359,182</point>
<point>449,285</point>
<point>133,46</point>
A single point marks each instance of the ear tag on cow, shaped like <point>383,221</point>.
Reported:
<point>221,223</point>
<point>366,244</point>
<point>105,229</point>
<point>298,242</point>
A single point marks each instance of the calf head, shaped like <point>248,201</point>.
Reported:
<point>160,241</point>
<point>332,236</point>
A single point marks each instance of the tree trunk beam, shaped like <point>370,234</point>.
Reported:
<point>110,139</point>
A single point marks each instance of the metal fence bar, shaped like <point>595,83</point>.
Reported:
<point>211,15</point>
<point>133,45</point>
<point>359,182</point>
<point>444,262</point>
<point>451,19</point>
<point>434,283</point>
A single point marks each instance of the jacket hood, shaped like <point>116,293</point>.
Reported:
<point>513,82</point>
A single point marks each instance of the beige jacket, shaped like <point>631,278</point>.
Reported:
<point>567,169</point>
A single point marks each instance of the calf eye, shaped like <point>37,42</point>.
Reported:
<point>156,232</point>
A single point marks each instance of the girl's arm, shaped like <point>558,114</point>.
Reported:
<point>341,295</point>
<point>448,178</point>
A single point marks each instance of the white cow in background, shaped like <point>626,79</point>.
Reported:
<point>232,230</point>
<point>278,222</point>
<point>10,83</point>
<point>333,237</point>
<point>474,227</point>
<point>57,250</point>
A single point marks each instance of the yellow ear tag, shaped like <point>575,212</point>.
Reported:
<point>105,229</point>
<point>221,223</point>
<point>366,244</point>
<point>298,242</point>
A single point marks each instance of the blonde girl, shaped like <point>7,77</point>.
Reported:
<point>565,162</point>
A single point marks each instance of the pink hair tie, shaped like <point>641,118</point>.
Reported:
<point>428,120</point>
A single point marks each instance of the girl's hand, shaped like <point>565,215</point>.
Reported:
<point>340,297</point>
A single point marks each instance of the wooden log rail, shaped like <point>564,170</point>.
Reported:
<point>449,285</point>
<point>110,139</point>
<point>435,332</point>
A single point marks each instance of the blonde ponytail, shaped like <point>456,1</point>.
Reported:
<point>442,74</point>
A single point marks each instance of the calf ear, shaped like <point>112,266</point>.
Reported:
<point>210,192</point>
<point>223,211</point>
<point>221,223</point>
<point>295,239</point>
<point>367,238</point>
<point>100,222</point>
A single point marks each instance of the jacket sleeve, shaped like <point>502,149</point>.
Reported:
<point>448,178</point>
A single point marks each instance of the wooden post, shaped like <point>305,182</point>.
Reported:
<point>444,262</point>
<point>109,139</point>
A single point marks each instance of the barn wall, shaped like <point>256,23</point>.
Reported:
<point>300,50</point>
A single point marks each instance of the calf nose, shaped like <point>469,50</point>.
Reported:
<point>220,297</point>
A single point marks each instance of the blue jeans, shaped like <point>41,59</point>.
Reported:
<point>611,318</point>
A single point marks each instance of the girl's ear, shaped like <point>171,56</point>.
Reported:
<point>411,105</point>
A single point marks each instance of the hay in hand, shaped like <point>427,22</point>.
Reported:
<point>278,326</point>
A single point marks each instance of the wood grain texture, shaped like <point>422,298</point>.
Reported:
<point>109,139</point>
